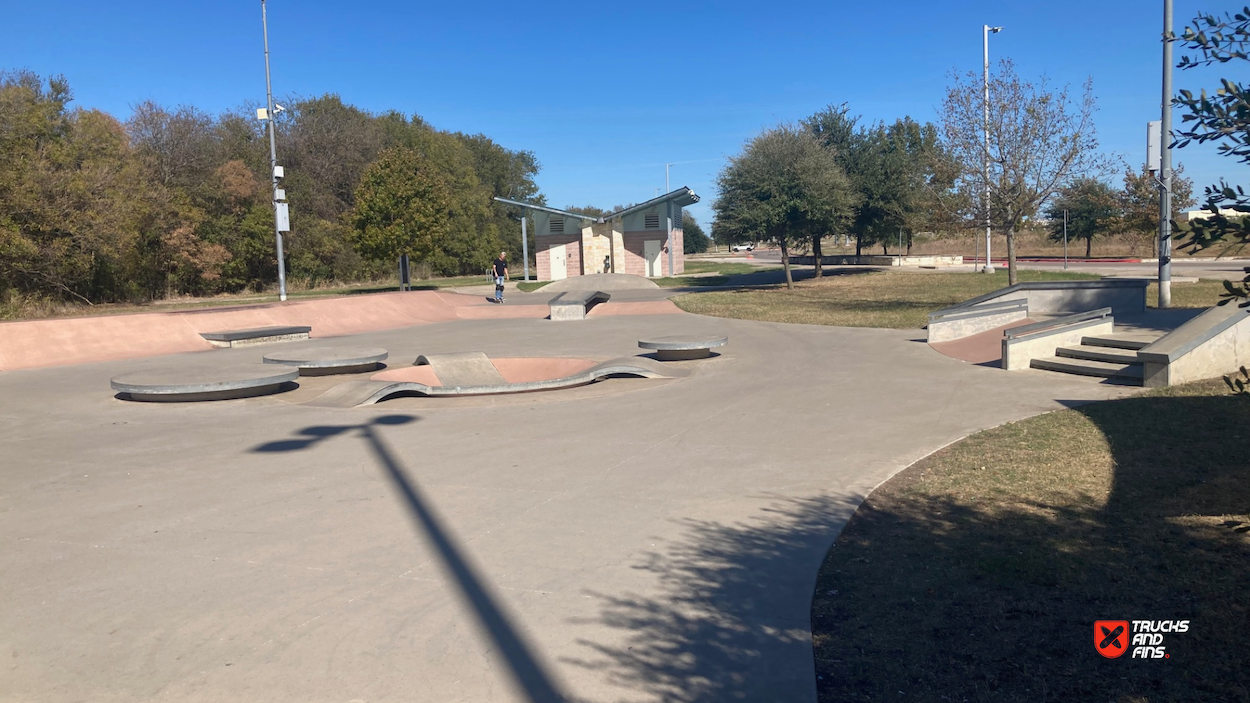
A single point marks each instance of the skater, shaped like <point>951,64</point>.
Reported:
<point>500,269</point>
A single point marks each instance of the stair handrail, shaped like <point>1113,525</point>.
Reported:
<point>1033,328</point>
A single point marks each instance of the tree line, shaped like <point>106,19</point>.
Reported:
<point>176,201</point>
<point>1036,156</point>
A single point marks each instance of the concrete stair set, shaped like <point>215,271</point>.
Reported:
<point>1078,333</point>
<point>1111,356</point>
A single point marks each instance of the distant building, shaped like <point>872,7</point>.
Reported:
<point>1191,215</point>
<point>641,240</point>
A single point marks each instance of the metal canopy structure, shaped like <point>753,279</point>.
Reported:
<point>549,210</point>
<point>678,198</point>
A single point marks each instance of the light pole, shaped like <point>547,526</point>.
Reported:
<point>1165,166</point>
<point>985,158</point>
<point>525,245</point>
<point>273,161</point>
<point>666,188</point>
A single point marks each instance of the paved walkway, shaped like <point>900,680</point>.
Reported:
<point>633,540</point>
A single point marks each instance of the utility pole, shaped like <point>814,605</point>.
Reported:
<point>525,246</point>
<point>985,159</point>
<point>666,188</point>
<point>1065,240</point>
<point>1165,192</point>
<point>278,207</point>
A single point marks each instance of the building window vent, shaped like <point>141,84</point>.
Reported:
<point>557,225</point>
<point>651,220</point>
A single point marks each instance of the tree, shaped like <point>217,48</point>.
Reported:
<point>837,130</point>
<point>694,241</point>
<point>783,188</point>
<point>1039,139</point>
<point>1139,203</point>
<point>1092,209</point>
<point>897,175</point>
<point>403,206</point>
<point>1225,119</point>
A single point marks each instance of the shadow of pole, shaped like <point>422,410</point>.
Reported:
<point>527,671</point>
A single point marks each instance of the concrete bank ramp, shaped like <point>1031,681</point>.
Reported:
<point>462,369</point>
<point>41,343</point>
<point>423,380</point>
<point>600,281</point>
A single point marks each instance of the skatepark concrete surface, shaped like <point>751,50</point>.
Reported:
<point>630,540</point>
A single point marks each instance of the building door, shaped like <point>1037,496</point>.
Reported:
<point>559,262</point>
<point>651,255</point>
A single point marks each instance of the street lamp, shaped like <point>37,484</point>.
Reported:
<point>985,158</point>
<point>281,216</point>
<point>1165,171</point>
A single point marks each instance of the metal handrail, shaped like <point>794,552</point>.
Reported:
<point>1026,330</point>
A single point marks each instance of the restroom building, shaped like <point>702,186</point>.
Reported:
<point>641,240</point>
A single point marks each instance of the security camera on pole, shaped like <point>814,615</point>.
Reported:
<point>281,215</point>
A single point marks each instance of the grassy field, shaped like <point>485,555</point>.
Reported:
<point>895,299</point>
<point>701,274</point>
<point>977,573</point>
<point>860,299</point>
<point>1038,243</point>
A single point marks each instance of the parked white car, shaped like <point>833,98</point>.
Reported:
<point>742,247</point>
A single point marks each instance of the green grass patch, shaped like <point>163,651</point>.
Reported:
<point>868,299</point>
<point>977,573</point>
<point>530,286</point>
<point>1202,294</point>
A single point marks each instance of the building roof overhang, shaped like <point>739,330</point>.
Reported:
<point>550,210</point>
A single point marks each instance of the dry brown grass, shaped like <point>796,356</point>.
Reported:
<point>869,299</point>
<point>977,574</point>
<point>1030,243</point>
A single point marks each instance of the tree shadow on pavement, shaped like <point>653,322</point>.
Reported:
<point>977,574</point>
<point>730,618</point>
<point>528,673</point>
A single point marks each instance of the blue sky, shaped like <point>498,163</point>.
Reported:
<point>606,93</point>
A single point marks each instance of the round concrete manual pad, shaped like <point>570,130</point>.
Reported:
<point>205,382</point>
<point>319,361</point>
<point>680,347</point>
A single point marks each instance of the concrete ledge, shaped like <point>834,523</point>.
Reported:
<point>1123,295</point>
<point>958,323</point>
<point>573,305</point>
<point>198,383</point>
<point>1022,345</point>
<point>878,260</point>
<point>257,335</point>
<point>1210,345</point>
<point>321,361</point>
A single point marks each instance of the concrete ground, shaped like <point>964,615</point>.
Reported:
<point>633,540</point>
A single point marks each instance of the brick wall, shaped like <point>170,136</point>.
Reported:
<point>572,242</point>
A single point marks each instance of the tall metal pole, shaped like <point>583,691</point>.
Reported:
<point>669,220</point>
<point>1065,240</point>
<point>666,188</point>
<point>1165,193</point>
<point>525,246</point>
<point>273,158</point>
<point>985,159</point>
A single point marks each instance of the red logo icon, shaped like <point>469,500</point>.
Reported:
<point>1111,637</point>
